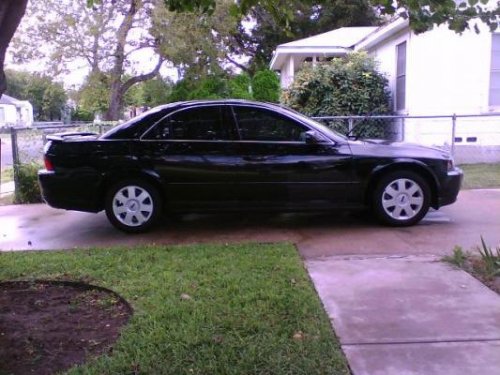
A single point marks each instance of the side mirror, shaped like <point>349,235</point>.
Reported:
<point>311,137</point>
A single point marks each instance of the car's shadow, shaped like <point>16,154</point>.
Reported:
<point>272,221</point>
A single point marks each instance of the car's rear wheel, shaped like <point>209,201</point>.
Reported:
<point>133,206</point>
<point>401,198</point>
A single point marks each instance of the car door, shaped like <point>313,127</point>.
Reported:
<point>194,153</point>
<point>281,168</point>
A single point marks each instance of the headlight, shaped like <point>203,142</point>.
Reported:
<point>451,165</point>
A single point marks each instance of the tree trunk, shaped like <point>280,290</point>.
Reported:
<point>115,102</point>
<point>11,13</point>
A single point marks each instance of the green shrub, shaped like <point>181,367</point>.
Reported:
<point>180,91</point>
<point>266,86</point>
<point>80,114</point>
<point>345,86</point>
<point>239,87</point>
<point>210,87</point>
<point>27,188</point>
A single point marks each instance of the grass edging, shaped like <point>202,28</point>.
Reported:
<point>484,264</point>
<point>203,309</point>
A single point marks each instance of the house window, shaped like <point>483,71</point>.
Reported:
<point>400,76</point>
<point>495,71</point>
<point>2,115</point>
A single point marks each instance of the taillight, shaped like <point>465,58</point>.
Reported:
<point>48,164</point>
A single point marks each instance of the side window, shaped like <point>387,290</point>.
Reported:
<point>256,124</point>
<point>202,123</point>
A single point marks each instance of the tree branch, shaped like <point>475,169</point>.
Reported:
<point>237,64</point>
<point>142,77</point>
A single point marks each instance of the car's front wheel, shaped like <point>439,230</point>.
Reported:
<point>133,206</point>
<point>401,198</point>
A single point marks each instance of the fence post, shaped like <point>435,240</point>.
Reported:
<point>453,133</point>
<point>15,156</point>
<point>350,125</point>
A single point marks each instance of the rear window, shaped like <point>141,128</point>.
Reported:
<point>135,127</point>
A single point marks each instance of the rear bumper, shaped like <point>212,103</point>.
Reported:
<point>450,187</point>
<point>70,192</point>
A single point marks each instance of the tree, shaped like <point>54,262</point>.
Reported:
<point>149,93</point>
<point>93,96</point>
<point>47,96</point>
<point>196,42</point>
<point>104,37</point>
<point>423,14</point>
<point>11,13</point>
<point>309,18</point>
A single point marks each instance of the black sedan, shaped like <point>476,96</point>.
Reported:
<point>213,156</point>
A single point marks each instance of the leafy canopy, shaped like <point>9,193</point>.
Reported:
<point>46,96</point>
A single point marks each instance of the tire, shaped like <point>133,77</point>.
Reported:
<point>133,206</point>
<point>401,198</point>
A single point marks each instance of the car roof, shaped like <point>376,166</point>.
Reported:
<point>193,103</point>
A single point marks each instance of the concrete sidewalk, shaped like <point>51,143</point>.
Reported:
<point>409,315</point>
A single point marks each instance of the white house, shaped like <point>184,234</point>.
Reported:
<point>15,112</point>
<point>438,72</point>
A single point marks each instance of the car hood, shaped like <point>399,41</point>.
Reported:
<point>384,148</point>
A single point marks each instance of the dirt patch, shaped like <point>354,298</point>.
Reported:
<point>47,327</point>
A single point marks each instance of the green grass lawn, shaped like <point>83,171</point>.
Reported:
<point>481,176</point>
<point>246,304</point>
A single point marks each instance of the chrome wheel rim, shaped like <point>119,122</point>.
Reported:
<point>402,199</point>
<point>132,205</point>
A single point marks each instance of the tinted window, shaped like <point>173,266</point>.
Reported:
<point>135,127</point>
<point>256,124</point>
<point>202,123</point>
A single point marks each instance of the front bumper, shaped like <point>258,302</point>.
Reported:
<point>450,187</point>
<point>69,191</point>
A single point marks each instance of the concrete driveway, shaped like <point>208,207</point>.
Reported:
<point>394,315</point>
<point>476,213</point>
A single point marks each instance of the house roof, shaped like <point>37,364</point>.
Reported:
<point>382,33</point>
<point>6,99</point>
<point>335,42</point>
<point>345,37</point>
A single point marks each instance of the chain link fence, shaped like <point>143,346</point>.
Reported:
<point>24,145</point>
<point>470,138</point>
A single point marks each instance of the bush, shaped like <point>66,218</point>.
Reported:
<point>266,86</point>
<point>239,87</point>
<point>345,86</point>
<point>210,87</point>
<point>27,188</point>
<point>80,114</point>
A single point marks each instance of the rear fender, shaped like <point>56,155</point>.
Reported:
<point>116,176</point>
